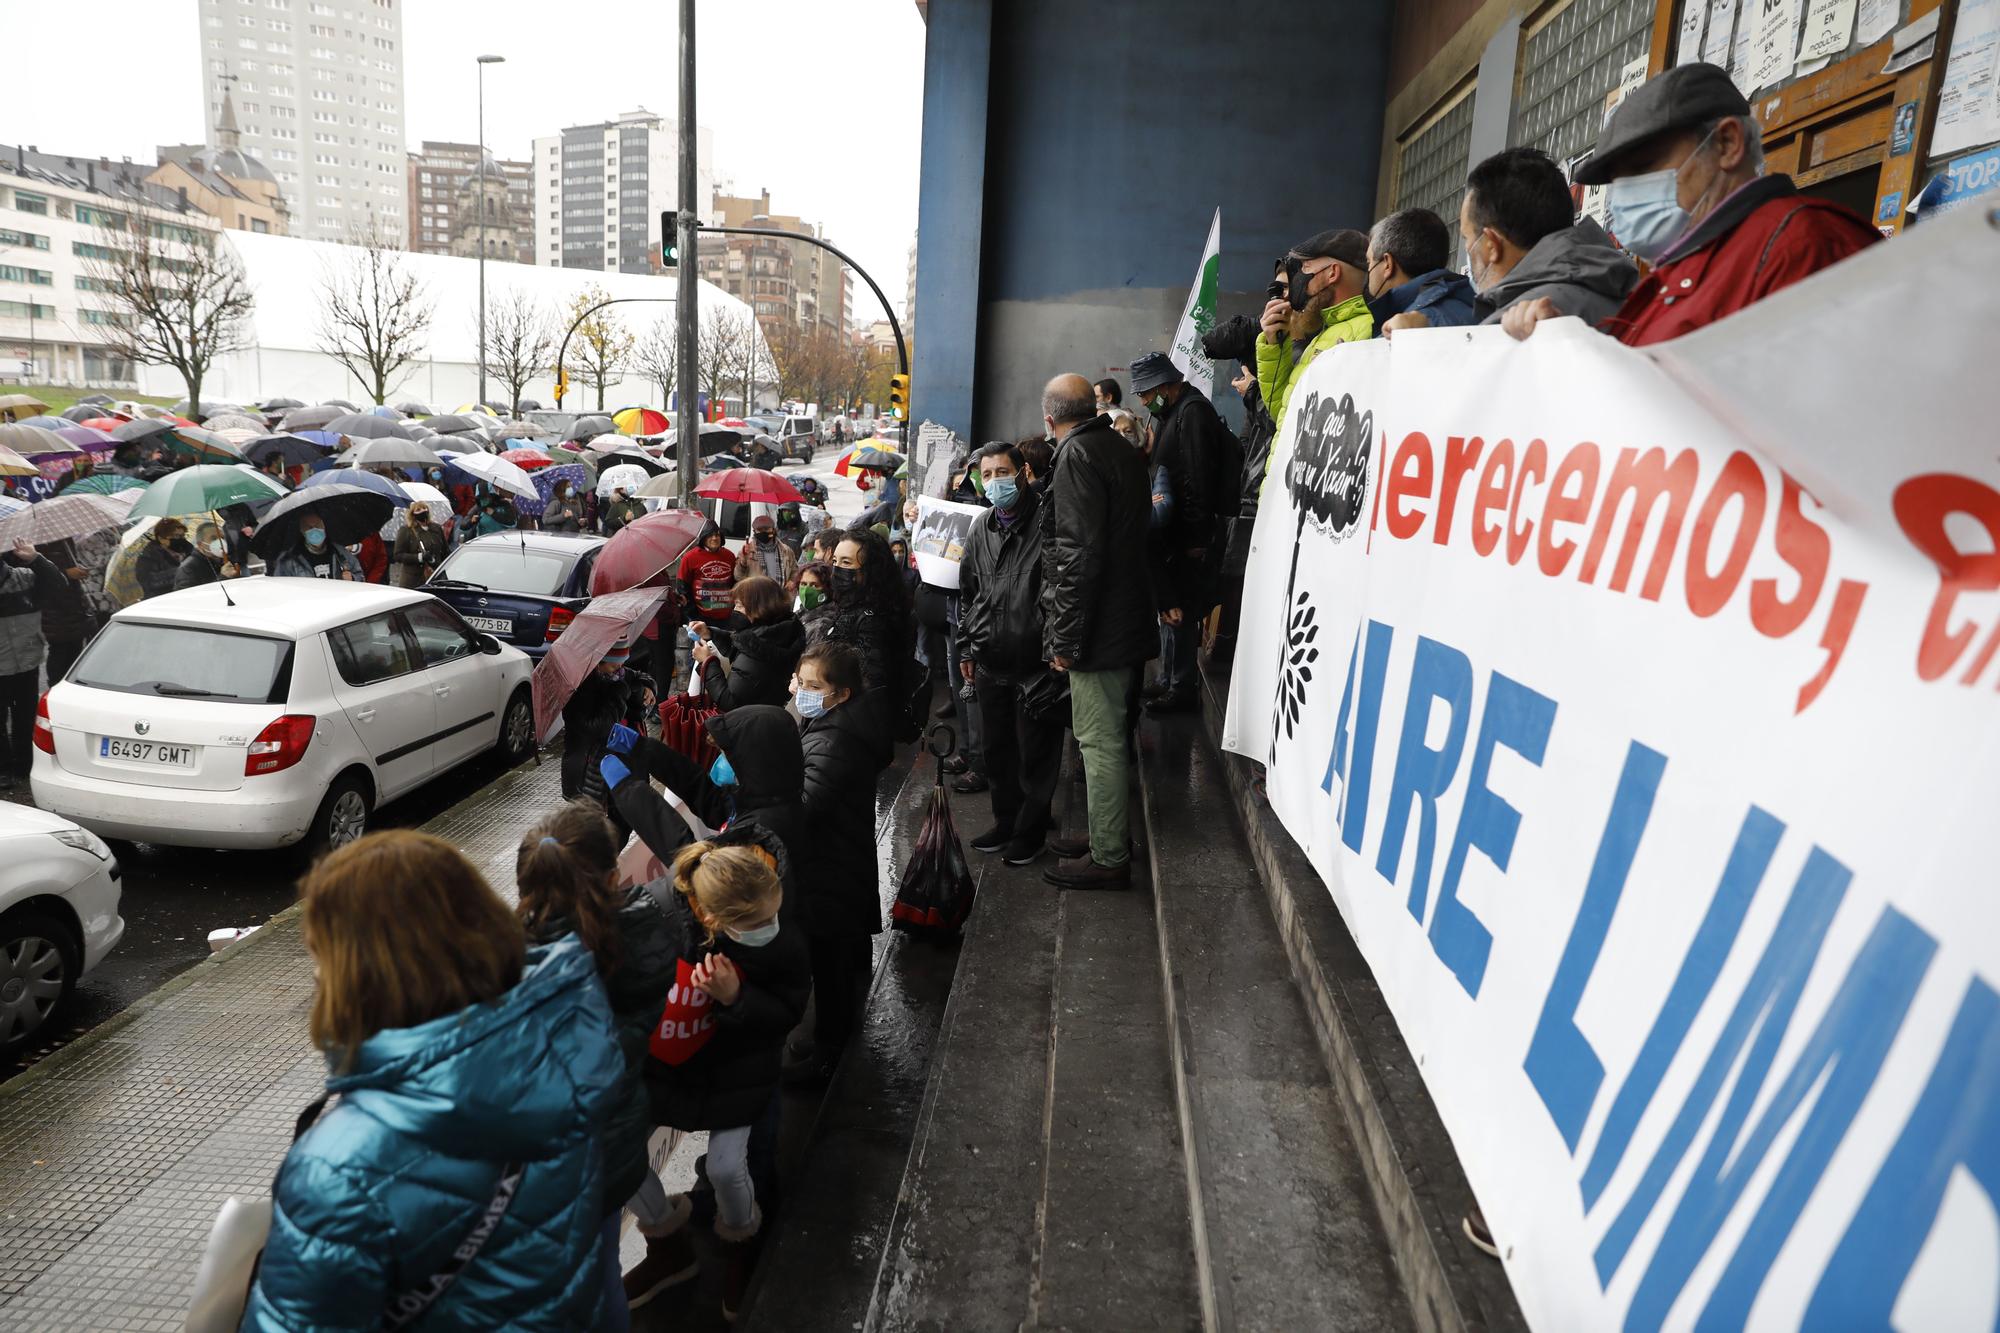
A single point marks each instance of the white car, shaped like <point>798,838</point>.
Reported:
<point>263,712</point>
<point>58,917</point>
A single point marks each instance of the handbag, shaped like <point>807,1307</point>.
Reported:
<point>687,1020</point>
<point>937,891</point>
<point>243,1227</point>
<point>684,727</point>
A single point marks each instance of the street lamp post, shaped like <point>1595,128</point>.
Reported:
<point>483,62</point>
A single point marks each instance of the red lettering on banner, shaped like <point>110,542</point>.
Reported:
<point>1802,544</point>
<point>1496,479</point>
<point>1581,464</point>
<point>1647,477</point>
<point>1460,454</point>
<point>1409,478</point>
<point>1839,625</point>
<point>1708,593</point>
<point>1922,504</point>
<point>1534,463</point>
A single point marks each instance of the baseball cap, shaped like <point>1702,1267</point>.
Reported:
<point>1683,98</point>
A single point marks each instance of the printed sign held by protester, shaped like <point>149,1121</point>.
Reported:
<point>942,527</point>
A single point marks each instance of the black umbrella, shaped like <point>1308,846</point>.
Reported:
<point>280,404</point>
<point>528,405</point>
<point>141,429</point>
<point>350,513</point>
<point>83,412</point>
<point>451,424</point>
<point>714,440</point>
<point>96,398</point>
<point>295,451</point>
<point>589,428</point>
<point>342,402</point>
<point>362,425</point>
<point>207,407</point>
<point>313,418</point>
<point>411,407</point>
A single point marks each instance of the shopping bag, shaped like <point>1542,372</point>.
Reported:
<point>936,893</point>
<point>686,1022</point>
<point>684,727</point>
<point>222,1283</point>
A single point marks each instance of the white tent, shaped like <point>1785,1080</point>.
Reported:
<point>288,276</point>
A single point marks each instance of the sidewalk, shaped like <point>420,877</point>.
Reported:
<point>117,1151</point>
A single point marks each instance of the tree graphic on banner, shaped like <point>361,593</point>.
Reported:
<point>1327,477</point>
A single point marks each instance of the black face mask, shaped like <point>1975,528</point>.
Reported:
<point>1297,280</point>
<point>765,537</point>
<point>846,583</point>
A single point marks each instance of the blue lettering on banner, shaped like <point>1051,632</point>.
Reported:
<point>1421,773</point>
<point>1355,777</point>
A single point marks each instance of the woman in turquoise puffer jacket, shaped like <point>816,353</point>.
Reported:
<point>455,1050</point>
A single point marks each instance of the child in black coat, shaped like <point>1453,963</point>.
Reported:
<point>611,695</point>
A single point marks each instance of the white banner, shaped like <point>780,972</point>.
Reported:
<point>1641,711</point>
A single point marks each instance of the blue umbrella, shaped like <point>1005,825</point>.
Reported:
<point>545,480</point>
<point>46,422</point>
<point>326,439</point>
<point>354,476</point>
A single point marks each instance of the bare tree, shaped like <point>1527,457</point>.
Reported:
<point>375,316</point>
<point>792,353</point>
<point>723,333</point>
<point>658,358</point>
<point>519,343</point>
<point>178,296</point>
<point>600,343</point>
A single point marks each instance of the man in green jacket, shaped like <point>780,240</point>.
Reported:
<point>1326,303</point>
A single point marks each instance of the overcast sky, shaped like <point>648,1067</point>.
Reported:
<point>820,101</point>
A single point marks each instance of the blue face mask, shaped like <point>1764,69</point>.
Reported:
<point>757,936</point>
<point>1646,212</point>
<point>811,703</point>
<point>315,537</point>
<point>721,772</point>
<point>1003,492</point>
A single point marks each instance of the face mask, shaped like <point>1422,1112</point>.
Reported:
<point>1479,279</point>
<point>809,597</point>
<point>1646,214</point>
<point>1298,281</point>
<point>315,537</point>
<point>757,936</point>
<point>764,538</point>
<point>420,519</point>
<point>721,772</point>
<point>436,475</point>
<point>811,703</point>
<point>1156,403</point>
<point>1003,492</point>
<point>213,548</point>
<point>846,583</point>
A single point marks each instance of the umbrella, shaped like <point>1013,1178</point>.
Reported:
<point>386,412</point>
<point>105,483</point>
<point>49,446</point>
<point>235,421</point>
<point>468,409</point>
<point>207,407</point>
<point>13,465</point>
<point>721,463</point>
<point>451,424</point>
<point>666,486</point>
<point>362,426</point>
<point>140,429</point>
<point>11,505</point>
<point>652,466</point>
<point>623,476</point>
<point>747,484</point>
<point>570,454</point>
<point>526,458</point>
<point>209,486</point>
<point>422,492</point>
<point>349,513</point>
<point>584,428</point>
<point>354,479</point>
<point>87,438</point>
<point>22,404</point>
<point>82,412</point>
<point>606,621</point>
<point>497,472</point>
<point>95,398</point>
<point>640,421</point>
<point>392,452</point>
<point>604,444</point>
<point>312,418</point>
<point>644,549</point>
<point>48,423</point>
<point>342,403</point>
<point>280,404</point>
<point>526,430</point>
<point>868,458</point>
<point>409,407</point>
<point>26,440</point>
<point>714,440</point>
<point>295,451</point>
<point>203,444</point>
<point>62,516</point>
<point>545,486</point>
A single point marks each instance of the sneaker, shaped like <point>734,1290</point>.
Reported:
<point>1087,874</point>
<point>954,763</point>
<point>670,1260</point>
<point>1069,849</point>
<point>971,782</point>
<point>993,840</point>
<point>1022,851</point>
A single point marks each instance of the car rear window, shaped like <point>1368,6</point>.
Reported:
<point>503,567</point>
<point>186,662</point>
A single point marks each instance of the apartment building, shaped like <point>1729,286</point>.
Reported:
<point>599,191</point>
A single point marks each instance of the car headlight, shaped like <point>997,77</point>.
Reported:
<point>84,841</point>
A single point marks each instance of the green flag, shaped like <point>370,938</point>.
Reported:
<point>1199,316</point>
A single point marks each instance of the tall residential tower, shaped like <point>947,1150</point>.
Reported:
<point>599,190</point>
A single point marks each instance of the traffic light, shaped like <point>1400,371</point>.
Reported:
<point>670,237</point>
<point>899,395</point>
<point>562,385</point>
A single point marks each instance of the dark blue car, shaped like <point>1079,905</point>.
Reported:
<point>523,588</point>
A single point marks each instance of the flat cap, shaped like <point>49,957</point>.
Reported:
<point>1683,98</point>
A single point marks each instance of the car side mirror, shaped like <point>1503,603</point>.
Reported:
<point>489,645</point>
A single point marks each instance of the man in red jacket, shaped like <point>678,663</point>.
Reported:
<point>1688,195</point>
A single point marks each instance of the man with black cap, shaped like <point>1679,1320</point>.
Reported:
<point>1200,457</point>
<point>1688,195</point>
<point>1325,304</point>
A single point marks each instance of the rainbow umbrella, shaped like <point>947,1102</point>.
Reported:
<point>641,421</point>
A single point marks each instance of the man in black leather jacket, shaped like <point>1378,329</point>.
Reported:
<point>1099,575</point>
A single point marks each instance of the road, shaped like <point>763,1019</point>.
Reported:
<point>173,897</point>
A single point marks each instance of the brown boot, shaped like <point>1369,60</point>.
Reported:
<point>738,1258</point>
<point>670,1258</point>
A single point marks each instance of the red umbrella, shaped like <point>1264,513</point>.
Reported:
<point>106,424</point>
<point>527,459</point>
<point>609,618</point>
<point>644,549</point>
<point>749,483</point>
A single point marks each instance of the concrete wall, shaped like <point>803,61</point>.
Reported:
<point>1105,147</point>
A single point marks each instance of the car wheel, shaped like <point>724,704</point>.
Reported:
<point>517,729</point>
<point>39,962</point>
<point>342,818</point>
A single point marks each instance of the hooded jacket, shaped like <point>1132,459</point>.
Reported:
<point>1000,588</point>
<point>844,753</point>
<point>1577,268</point>
<point>1441,296</point>
<point>1278,371</point>
<point>760,669</point>
<point>1099,561</point>
<point>374,1198</point>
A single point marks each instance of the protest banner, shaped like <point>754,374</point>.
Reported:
<point>1641,712</point>
<point>1198,315</point>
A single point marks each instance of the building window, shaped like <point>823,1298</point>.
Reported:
<point>20,309</point>
<point>25,202</point>
<point>34,277</point>
<point>1568,63</point>
<point>25,240</point>
<point>1431,166</point>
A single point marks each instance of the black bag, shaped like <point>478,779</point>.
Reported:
<point>1045,698</point>
<point>936,893</point>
